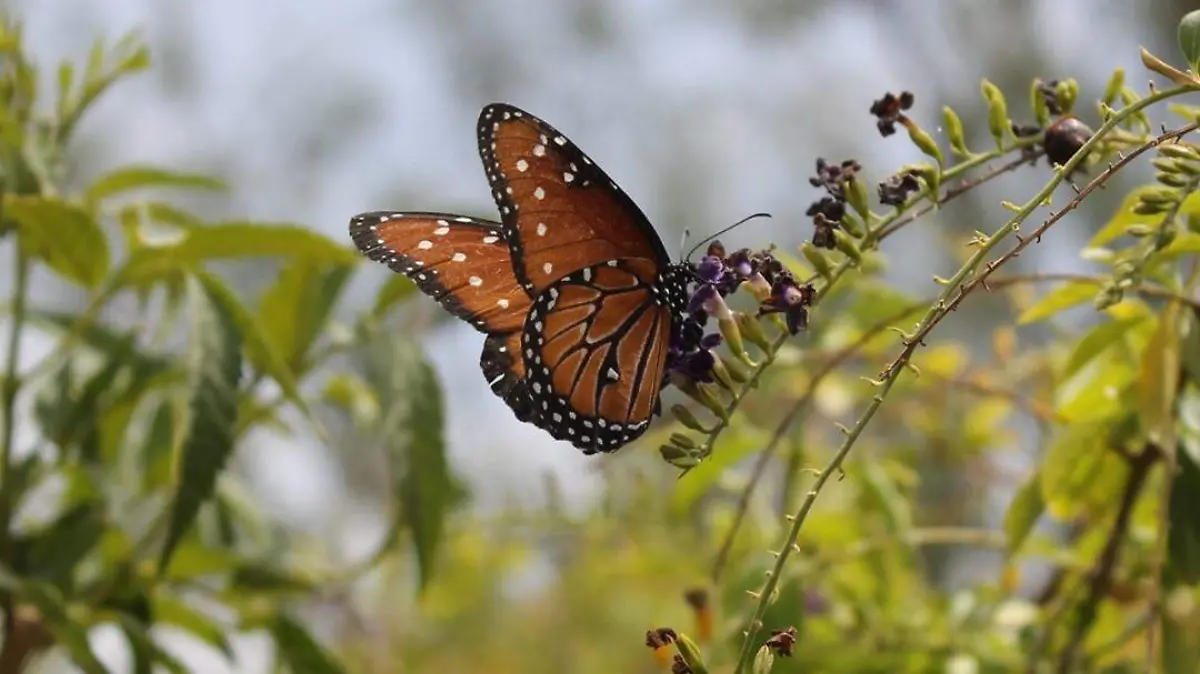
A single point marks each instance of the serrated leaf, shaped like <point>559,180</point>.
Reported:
<point>1125,215</point>
<point>216,366</point>
<point>412,428</point>
<point>67,238</point>
<point>72,636</point>
<point>296,306</point>
<point>148,177</point>
<point>1023,512</point>
<point>1159,378</point>
<point>1058,300</point>
<point>169,610</point>
<point>1081,472</point>
<point>299,650</point>
<point>1183,536</point>
<point>395,289</point>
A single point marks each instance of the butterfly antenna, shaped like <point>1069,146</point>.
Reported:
<point>683,239</point>
<point>723,231</point>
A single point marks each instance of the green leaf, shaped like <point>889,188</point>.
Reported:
<point>296,306</point>
<point>1097,341</point>
<point>232,240</point>
<point>57,550</point>
<point>158,447</point>
<point>259,349</point>
<point>168,610</point>
<point>193,561</point>
<point>216,366</point>
<point>395,289</point>
<point>298,649</point>
<point>1081,472</point>
<point>71,635</point>
<point>1159,378</point>
<point>143,177</point>
<point>354,397</point>
<point>1183,536</point>
<point>104,340</point>
<point>145,651</point>
<point>1023,513</point>
<point>265,578</point>
<point>412,429</point>
<point>1189,39</point>
<point>881,494</point>
<point>1125,215</point>
<point>64,236</point>
<point>1058,300</point>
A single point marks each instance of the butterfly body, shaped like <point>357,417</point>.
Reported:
<point>573,288</point>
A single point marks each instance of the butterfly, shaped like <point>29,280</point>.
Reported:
<point>573,288</point>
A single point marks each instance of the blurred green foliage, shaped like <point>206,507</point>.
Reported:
<point>123,511</point>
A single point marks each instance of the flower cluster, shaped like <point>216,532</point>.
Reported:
<point>895,190</point>
<point>719,274</point>
<point>838,180</point>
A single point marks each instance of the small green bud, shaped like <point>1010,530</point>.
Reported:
<point>998,122</point>
<point>752,330</point>
<point>954,132</point>
<point>764,660</point>
<point>1115,84</point>
<point>721,374</point>
<point>1159,195</point>
<point>1139,230</point>
<point>1164,164</point>
<point>923,141</point>
<point>1170,179</point>
<point>704,394</point>
<point>852,225</point>
<point>856,196</point>
<point>1107,298</point>
<point>1148,208</point>
<point>1038,102</point>
<point>687,418</point>
<point>845,244</point>
<point>736,373</point>
<point>683,441</point>
<point>816,257</point>
<point>1181,151</point>
<point>733,337</point>
<point>690,654</point>
<point>671,453</point>
<point>1068,92</point>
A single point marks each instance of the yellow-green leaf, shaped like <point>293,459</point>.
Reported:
<point>145,177</point>
<point>1058,300</point>
<point>1159,378</point>
<point>1082,472</point>
<point>294,308</point>
<point>1125,215</point>
<point>1023,513</point>
<point>394,290</point>
<point>62,235</point>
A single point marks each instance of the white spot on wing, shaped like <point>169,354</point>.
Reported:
<point>568,176</point>
<point>539,194</point>
<point>425,245</point>
<point>502,302</point>
<point>522,165</point>
<point>475,281</point>
<point>547,267</point>
<point>539,150</point>
<point>458,257</point>
<point>491,239</point>
<point>443,230</point>
<point>541,229</point>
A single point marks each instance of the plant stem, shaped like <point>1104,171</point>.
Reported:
<point>934,314</point>
<point>11,387</point>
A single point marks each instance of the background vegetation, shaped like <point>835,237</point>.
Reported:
<point>120,510</point>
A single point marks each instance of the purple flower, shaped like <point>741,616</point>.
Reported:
<point>690,358</point>
<point>711,269</point>
<point>792,300</point>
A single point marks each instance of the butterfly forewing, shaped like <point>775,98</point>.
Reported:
<point>560,211</point>
<point>463,263</point>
